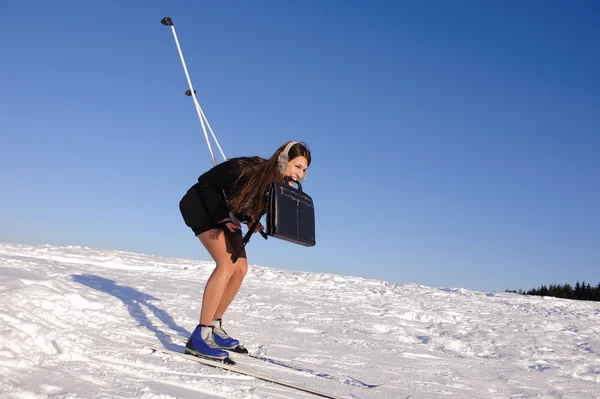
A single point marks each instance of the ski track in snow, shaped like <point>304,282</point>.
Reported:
<point>77,322</point>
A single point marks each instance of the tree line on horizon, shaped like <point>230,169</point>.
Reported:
<point>581,291</point>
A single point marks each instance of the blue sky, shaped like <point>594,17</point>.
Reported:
<point>454,144</point>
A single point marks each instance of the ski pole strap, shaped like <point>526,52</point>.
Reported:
<point>244,242</point>
<point>246,239</point>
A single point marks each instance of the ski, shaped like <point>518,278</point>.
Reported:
<point>351,381</point>
<point>343,380</point>
<point>239,370</point>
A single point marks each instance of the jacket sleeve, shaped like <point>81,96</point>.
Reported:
<point>210,186</point>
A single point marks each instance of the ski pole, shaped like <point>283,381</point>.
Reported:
<point>167,21</point>
<point>246,239</point>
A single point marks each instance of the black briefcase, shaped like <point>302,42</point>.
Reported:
<point>291,214</point>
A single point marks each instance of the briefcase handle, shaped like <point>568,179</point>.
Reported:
<point>286,180</point>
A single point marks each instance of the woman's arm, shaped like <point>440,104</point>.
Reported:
<point>211,186</point>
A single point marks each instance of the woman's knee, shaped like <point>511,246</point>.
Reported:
<point>237,270</point>
<point>226,267</point>
<point>241,269</point>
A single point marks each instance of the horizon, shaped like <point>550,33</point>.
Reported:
<point>275,267</point>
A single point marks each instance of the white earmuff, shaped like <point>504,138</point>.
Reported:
<point>284,157</point>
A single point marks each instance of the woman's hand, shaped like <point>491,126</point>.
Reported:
<point>231,225</point>
<point>259,227</point>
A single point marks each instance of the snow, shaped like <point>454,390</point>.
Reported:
<point>77,322</point>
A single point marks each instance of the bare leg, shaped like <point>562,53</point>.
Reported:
<point>232,287</point>
<point>226,279</point>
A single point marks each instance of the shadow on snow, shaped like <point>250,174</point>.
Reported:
<point>135,301</point>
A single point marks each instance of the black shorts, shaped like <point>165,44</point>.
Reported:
<point>194,214</point>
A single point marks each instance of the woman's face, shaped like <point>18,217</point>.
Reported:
<point>296,168</point>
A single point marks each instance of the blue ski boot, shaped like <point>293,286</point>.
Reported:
<point>201,343</point>
<point>224,340</point>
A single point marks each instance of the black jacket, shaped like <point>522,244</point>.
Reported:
<point>211,185</point>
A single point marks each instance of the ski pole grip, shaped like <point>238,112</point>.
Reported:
<point>167,21</point>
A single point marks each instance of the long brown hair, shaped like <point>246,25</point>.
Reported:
<point>257,174</point>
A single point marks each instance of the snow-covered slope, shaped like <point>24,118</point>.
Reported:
<point>78,323</point>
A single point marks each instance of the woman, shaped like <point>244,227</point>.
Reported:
<point>232,191</point>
